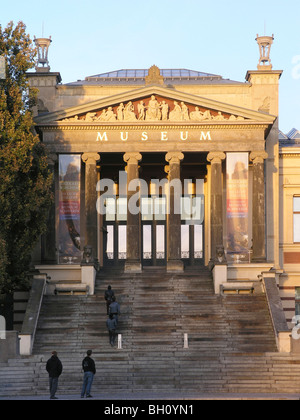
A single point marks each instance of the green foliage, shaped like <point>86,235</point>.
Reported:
<point>25,181</point>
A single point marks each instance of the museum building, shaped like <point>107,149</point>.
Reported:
<point>163,167</point>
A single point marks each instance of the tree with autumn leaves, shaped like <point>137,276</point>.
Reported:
<point>25,181</point>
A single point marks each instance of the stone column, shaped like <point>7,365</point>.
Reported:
<point>216,197</point>
<point>90,160</point>
<point>258,206</point>
<point>174,262</point>
<point>133,262</point>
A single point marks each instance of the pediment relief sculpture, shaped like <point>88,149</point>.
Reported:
<point>154,109</point>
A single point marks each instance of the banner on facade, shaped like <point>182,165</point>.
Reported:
<point>69,209</point>
<point>237,187</point>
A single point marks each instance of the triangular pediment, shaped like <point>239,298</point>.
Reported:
<point>154,104</point>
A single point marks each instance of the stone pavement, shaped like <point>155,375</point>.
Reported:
<point>162,397</point>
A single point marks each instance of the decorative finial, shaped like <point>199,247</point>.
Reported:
<point>42,44</point>
<point>265,43</point>
<point>154,77</point>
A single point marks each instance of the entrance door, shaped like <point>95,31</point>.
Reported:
<point>115,232</point>
<point>192,230</point>
<point>153,231</point>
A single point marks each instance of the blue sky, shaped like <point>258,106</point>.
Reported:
<point>91,37</point>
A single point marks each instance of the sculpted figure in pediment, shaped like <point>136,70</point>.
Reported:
<point>141,111</point>
<point>219,117</point>
<point>153,110</point>
<point>164,111</point>
<point>110,115</point>
<point>184,112</point>
<point>72,119</point>
<point>129,114</point>
<point>107,115</point>
<point>175,114</point>
<point>102,116</point>
<point>90,117</point>
<point>234,118</point>
<point>198,115</point>
<point>120,112</point>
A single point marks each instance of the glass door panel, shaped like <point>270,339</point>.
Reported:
<point>160,242</point>
<point>198,241</point>
<point>122,242</point>
<point>147,242</point>
<point>185,241</point>
<point>110,242</point>
<point>192,232</point>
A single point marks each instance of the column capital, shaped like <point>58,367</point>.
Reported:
<point>258,157</point>
<point>174,157</point>
<point>90,158</point>
<point>132,158</point>
<point>216,157</point>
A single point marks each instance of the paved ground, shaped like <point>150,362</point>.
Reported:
<point>163,398</point>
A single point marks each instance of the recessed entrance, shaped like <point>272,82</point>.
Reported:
<point>153,205</point>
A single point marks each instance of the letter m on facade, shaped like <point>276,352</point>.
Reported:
<point>205,136</point>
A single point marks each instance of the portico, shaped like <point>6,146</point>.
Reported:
<point>207,129</point>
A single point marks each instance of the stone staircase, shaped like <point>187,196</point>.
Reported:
<point>232,347</point>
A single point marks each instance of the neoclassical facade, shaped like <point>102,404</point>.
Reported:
<point>127,137</point>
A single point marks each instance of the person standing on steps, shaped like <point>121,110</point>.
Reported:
<point>54,368</point>
<point>109,294</point>
<point>111,325</point>
<point>89,368</point>
<point>114,309</point>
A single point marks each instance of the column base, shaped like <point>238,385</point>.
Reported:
<point>133,267</point>
<point>175,266</point>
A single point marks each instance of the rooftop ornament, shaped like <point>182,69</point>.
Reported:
<point>42,45</point>
<point>265,43</point>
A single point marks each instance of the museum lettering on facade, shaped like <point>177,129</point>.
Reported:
<point>217,136</point>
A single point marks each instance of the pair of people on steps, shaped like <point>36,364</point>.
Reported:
<point>54,367</point>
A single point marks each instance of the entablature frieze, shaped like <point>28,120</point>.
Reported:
<point>157,136</point>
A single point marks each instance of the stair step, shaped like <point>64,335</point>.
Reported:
<point>231,340</point>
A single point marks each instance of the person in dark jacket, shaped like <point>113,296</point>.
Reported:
<point>54,368</point>
<point>89,368</point>
<point>109,293</point>
<point>114,309</point>
<point>111,325</point>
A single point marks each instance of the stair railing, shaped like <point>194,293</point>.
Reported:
<point>32,314</point>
